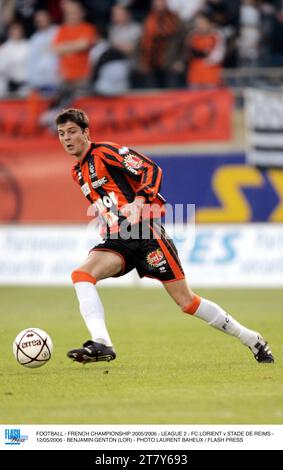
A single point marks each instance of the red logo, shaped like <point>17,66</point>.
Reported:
<point>154,258</point>
<point>132,161</point>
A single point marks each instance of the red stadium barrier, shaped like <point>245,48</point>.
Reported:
<point>169,116</point>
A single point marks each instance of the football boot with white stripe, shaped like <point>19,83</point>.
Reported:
<point>92,352</point>
<point>262,351</point>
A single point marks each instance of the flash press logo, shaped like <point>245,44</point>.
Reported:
<point>13,437</point>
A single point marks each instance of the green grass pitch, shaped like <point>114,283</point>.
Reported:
<point>170,368</point>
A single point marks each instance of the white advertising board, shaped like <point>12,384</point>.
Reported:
<point>212,255</point>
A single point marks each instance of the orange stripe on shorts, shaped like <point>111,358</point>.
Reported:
<point>172,263</point>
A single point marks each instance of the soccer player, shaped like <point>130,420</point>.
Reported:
<point>123,187</point>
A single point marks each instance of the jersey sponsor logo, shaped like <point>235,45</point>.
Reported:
<point>100,182</point>
<point>133,163</point>
<point>155,258</point>
<point>107,206</point>
<point>86,189</point>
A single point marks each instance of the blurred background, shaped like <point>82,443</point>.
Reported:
<point>194,84</point>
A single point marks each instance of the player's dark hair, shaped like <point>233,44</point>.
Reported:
<point>77,116</point>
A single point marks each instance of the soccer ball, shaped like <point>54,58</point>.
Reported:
<point>32,347</point>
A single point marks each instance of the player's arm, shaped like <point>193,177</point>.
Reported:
<point>150,180</point>
<point>140,168</point>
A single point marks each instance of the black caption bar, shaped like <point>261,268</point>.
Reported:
<point>128,459</point>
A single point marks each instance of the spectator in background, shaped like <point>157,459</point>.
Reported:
<point>53,7</point>
<point>138,8</point>
<point>221,11</point>
<point>124,33</point>
<point>14,62</point>
<point>268,27</point>
<point>250,33</point>
<point>110,69</point>
<point>160,46</point>
<point>276,39</point>
<point>23,13</point>
<point>112,58</point>
<point>99,12</point>
<point>205,48</point>
<point>6,16</point>
<point>225,15</point>
<point>72,44</point>
<point>224,12</point>
<point>43,73</point>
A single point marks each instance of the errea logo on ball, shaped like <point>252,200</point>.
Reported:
<point>14,437</point>
<point>27,344</point>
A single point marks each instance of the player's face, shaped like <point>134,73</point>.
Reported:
<point>74,139</point>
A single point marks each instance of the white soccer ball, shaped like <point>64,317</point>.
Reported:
<point>32,347</point>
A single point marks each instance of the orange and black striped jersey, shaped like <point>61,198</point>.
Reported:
<point>111,176</point>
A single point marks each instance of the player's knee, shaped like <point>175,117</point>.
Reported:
<point>82,276</point>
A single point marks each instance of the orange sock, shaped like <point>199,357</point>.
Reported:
<point>82,276</point>
<point>193,306</point>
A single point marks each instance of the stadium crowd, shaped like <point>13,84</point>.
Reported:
<point>67,47</point>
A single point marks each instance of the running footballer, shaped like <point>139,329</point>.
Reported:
<point>122,185</point>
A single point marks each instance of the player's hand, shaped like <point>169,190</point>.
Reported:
<point>133,210</point>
